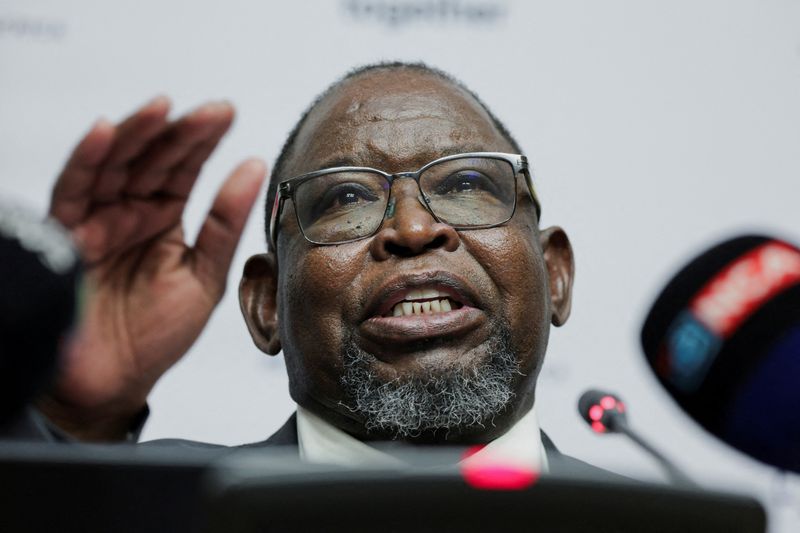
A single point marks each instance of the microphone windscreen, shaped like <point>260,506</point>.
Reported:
<point>601,410</point>
<point>39,276</point>
<point>723,338</point>
<point>587,400</point>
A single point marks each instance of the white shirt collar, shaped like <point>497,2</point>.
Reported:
<point>322,442</point>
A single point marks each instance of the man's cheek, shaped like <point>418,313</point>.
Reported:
<point>328,273</point>
<point>511,259</point>
<point>529,300</point>
<point>514,262</point>
<point>321,319</point>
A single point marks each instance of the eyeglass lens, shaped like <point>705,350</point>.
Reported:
<point>341,206</point>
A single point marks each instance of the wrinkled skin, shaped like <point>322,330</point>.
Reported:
<point>310,299</point>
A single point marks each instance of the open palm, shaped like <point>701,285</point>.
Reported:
<point>122,195</point>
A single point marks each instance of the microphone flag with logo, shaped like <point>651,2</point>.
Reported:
<point>723,337</point>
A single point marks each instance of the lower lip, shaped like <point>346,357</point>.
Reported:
<point>414,328</point>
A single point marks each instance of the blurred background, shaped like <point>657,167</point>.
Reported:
<point>655,129</point>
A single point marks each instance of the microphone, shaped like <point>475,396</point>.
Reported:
<point>606,413</point>
<point>39,275</point>
<point>723,338</point>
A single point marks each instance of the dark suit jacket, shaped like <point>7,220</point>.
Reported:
<point>560,464</point>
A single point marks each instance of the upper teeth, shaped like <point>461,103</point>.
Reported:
<point>424,294</point>
<point>435,302</point>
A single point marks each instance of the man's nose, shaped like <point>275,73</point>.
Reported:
<point>410,229</point>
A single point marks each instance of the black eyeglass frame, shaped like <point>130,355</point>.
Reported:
<point>286,190</point>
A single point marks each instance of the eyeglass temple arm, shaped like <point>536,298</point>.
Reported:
<point>529,182</point>
<point>277,206</point>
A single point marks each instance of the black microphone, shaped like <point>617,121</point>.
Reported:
<point>723,338</point>
<point>39,276</point>
<point>606,413</point>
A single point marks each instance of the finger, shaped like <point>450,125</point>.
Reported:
<point>133,135</point>
<point>220,233</point>
<point>142,215</point>
<point>72,192</point>
<point>183,138</point>
<point>183,177</point>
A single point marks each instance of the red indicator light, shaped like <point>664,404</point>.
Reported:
<point>498,477</point>
<point>621,407</point>
<point>608,402</point>
<point>596,413</point>
<point>598,427</point>
<point>494,473</point>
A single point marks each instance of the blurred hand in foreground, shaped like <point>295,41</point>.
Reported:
<point>122,195</point>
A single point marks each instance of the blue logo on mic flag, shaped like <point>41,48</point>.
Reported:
<point>690,350</point>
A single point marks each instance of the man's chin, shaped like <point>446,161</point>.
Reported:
<point>433,395</point>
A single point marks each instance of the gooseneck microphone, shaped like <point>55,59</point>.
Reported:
<point>606,413</point>
<point>39,276</point>
<point>723,338</point>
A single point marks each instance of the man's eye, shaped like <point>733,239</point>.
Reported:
<point>348,197</point>
<point>465,182</point>
<point>345,195</point>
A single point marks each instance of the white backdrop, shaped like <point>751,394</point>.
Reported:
<point>655,128</point>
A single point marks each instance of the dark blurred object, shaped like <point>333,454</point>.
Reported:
<point>724,340</point>
<point>86,488</point>
<point>39,275</point>
<point>124,489</point>
<point>257,492</point>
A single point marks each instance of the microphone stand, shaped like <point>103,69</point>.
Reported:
<point>618,424</point>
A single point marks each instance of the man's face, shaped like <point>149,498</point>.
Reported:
<point>337,301</point>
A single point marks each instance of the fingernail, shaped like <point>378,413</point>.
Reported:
<point>219,105</point>
<point>102,122</point>
<point>160,100</point>
<point>255,168</point>
<point>257,164</point>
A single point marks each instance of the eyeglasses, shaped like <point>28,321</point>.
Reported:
<point>474,190</point>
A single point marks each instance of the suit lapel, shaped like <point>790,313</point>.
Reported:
<point>285,436</point>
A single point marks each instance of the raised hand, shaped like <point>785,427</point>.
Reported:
<point>122,195</point>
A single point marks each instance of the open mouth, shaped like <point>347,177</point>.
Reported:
<point>418,307</point>
<point>424,302</point>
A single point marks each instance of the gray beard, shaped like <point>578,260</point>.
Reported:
<point>460,400</point>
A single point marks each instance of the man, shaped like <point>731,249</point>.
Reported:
<point>409,305</point>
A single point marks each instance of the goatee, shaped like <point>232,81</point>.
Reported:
<point>450,403</point>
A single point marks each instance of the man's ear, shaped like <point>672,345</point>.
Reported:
<point>561,269</point>
<point>258,299</point>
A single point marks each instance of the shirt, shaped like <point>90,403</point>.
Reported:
<point>322,442</point>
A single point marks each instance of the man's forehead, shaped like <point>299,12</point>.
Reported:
<point>394,118</point>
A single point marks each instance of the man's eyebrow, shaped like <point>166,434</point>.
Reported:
<point>341,160</point>
<point>464,149</point>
